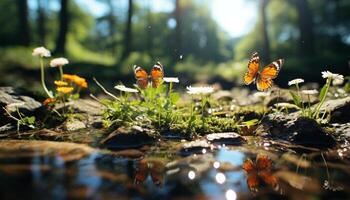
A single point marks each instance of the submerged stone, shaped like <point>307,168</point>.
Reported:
<point>229,138</point>
<point>65,151</point>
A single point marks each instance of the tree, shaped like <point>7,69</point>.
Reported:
<point>63,28</point>
<point>266,42</point>
<point>305,24</point>
<point>178,29</point>
<point>24,28</point>
<point>128,32</point>
<point>41,22</point>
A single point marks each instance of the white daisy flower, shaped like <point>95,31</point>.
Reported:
<point>295,81</point>
<point>199,90</point>
<point>338,81</point>
<point>309,92</point>
<point>171,79</point>
<point>125,89</point>
<point>285,105</point>
<point>41,52</point>
<point>261,94</point>
<point>328,74</point>
<point>57,62</point>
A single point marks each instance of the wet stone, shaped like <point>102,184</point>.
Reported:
<point>66,151</point>
<point>229,138</point>
<point>339,109</point>
<point>195,147</point>
<point>12,99</point>
<point>74,125</point>
<point>298,130</point>
<point>128,138</point>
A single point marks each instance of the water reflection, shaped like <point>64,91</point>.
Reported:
<point>259,173</point>
<point>152,168</point>
<point>227,173</point>
<point>231,195</point>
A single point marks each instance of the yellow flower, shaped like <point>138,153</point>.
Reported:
<point>49,101</point>
<point>68,77</point>
<point>81,82</point>
<point>60,83</point>
<point>65,90</point>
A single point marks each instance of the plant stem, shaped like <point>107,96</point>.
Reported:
<point>203,101</point>
<point>309,109</point>
<point>61,72</point>
<point>43,78</point>
<point>328,84</point>
<point>301,98</point>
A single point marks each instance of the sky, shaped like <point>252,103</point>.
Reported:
<point>236,17</point>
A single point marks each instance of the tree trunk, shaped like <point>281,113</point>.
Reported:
<point>305,23</point>
<point>63,28</point>
<point>112,26</point>
<point>264,24</point>
<point>149,29</point>
<point>128,32</point>
<point>24,29</point>
<point>41,23</point>
<point>178,30</point>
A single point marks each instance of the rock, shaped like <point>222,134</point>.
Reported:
<point>65,151</point>
<point>300,182</point>
<point>223,95</point>
<point>195,147</point>
<point>124,138</point>
<point>74,125</point>
<point>87,106</point>
<point>129,153</point>
<point>339,109</point>
<point>342,129</point>
<point>12,99</point>
<point>229,138</point>
<point>298,130</point>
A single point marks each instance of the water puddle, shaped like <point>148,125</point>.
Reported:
<point>259,169</point>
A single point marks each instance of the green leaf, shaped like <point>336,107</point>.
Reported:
<point>174,97</point>
<point>75,96</point>
<point>323,92</point>
<point>251,122</point>
<point>31,120</point>
<point>296,99</point>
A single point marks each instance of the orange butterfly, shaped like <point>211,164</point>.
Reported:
<point>142,76</point>
<point>264,77</point>
<point>259,172</point>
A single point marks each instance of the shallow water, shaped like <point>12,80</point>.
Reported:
<point>165,172</point>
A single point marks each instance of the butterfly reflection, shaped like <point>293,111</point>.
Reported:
<point>153,168</point>
<point>259,173</point>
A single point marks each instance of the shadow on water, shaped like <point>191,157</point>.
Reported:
<point>257,170</point>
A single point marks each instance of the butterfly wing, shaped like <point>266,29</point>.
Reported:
<point>141,77</point>
<point>263,162</point>
<point>157,172</point>
<point>253,181</point>
<point>268,177</point>
<point>157,75</point>
<point>141,172</point>
<point>266,76</point>
<point>248,166</point>
<point>253,68</point>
